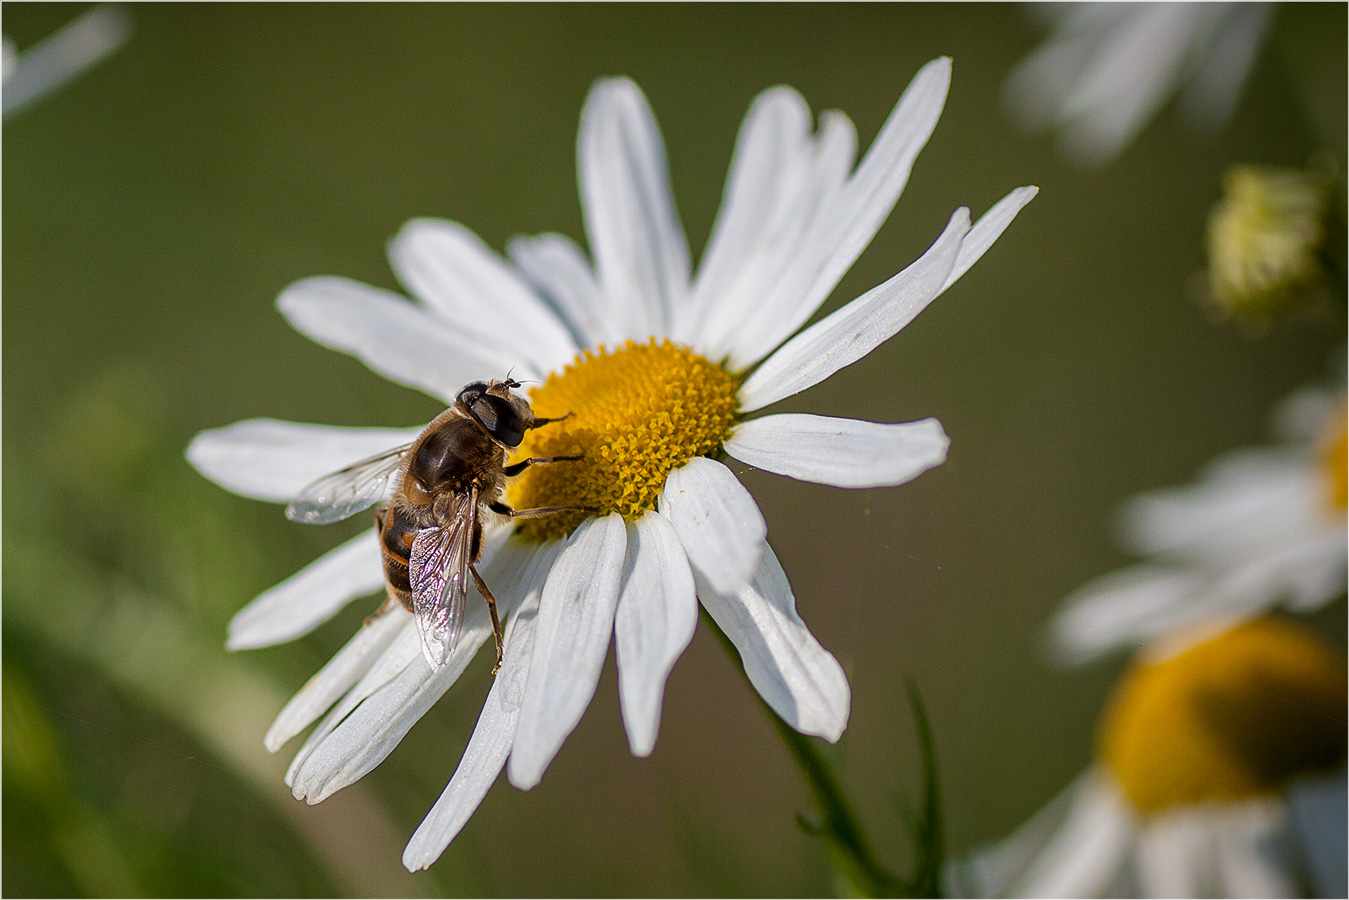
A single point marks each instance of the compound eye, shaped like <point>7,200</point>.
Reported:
<point>499,418</point>
<point>471,392</point>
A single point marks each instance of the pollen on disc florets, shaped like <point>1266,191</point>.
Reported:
<point>633,414</point>
<point>1233,717</point>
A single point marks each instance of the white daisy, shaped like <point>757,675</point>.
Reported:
<point>1263,528</point>
<point>44,67</point>
<point>658,367</point>
<point>1108,67</point>
<point>1218,774</point>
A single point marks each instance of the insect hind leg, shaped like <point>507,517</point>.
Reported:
<point>491,608</point>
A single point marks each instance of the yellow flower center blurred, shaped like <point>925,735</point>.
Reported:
<point>636,413</point>
<point>1335,457</point>
<point>1230,718</point>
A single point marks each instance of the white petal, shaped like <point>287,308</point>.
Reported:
<point>657,614</point>
<point>494,734</point>
<point>799,679</point>
<point>1087,855</point>
<point>853,215</point>
<point>852,332</point>
<point>268,459</point>
<point>448,267</point>
<point>350,664</point>
<point>1177,856</point>
<point>717,521</point>
<point>640,251</point>
<point>842,452</point>
<point>1214,89</point>
<point>781,181</point>
<point>43,68</point>
<point>1117,610</point>
<point>576,618</point>
<point>311,596</point>
<point>560,271</point>
<point>1318,809</point>
<point>351,745</point>
<point>1255,852</point>
<point>987,230</point>
<point>399,340</point>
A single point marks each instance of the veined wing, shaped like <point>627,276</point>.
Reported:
<point>347,491</point>
<point>438,570</point>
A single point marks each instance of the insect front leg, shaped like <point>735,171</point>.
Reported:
<point>500,508</point>
<point>515,469</point>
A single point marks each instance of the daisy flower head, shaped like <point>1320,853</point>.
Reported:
<point>1219,772</point>
<point>1267,241</point>
<point>33,74</point>
<point>1107,68</point>
<point>657,369</point>
<point>1263,528</point>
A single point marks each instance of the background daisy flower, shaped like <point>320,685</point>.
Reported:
<point>659,367</point>
<point>1219,773</point>
<point>1107,68</point>
<point>1263,528</point>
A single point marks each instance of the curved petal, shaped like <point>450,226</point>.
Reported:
<point>852,332</point>
<point>657,614</point>
<point>311,596</point>
<point>799,679</point>
<point>780,180</point>
<point>842,452</point>
<point>988,229</point>
<point>44,67</point>
<point>1087,855</point>
<point>849,220</point>
<point>269,459</point>
<point>397,339</point>
<point>358,734</point>
<point>449,268</point>
<point>576,618</point>
<point>1215,87</point>
<point>561,272</point>
<point>494,734</point>
<point>350,664</point>
<point>717,521</point>
<point>640,251</point>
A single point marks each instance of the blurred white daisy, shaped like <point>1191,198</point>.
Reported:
<point>1219,773</point>
<point>1108,67</point>
<point>1263,528</point>
<point>31,75</point>
<point>658,367</point>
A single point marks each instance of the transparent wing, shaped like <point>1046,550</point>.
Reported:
<point>438,570</point>
<point>347,491</point>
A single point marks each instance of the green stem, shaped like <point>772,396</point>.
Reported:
<point>848,848</point>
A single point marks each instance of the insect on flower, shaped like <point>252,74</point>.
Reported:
<point>430,531</point>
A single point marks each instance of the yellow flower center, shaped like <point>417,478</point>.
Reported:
<point>633,415</point>
<point>1230,718</point>
<point>1335,457</point>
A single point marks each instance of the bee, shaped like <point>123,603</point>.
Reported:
<point>430,530</point>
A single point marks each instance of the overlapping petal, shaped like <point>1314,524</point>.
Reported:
<point>656,617</point>
<point>717,521</point>
<point>404,342</point>
<point>561,273</point>
<point>800,680</point>
<point>576,618</point>
<point>450,269</point>
<point>641,254</point>
<point>269,459</point>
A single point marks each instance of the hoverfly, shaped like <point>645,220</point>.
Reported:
<point>430,529</point>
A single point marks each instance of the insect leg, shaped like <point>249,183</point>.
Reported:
<point>491,608</point>
<point>500,508</point>
<point>540,422</point>
<point>513,470</point>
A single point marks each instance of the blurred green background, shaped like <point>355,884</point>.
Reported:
<point>155,207</point>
